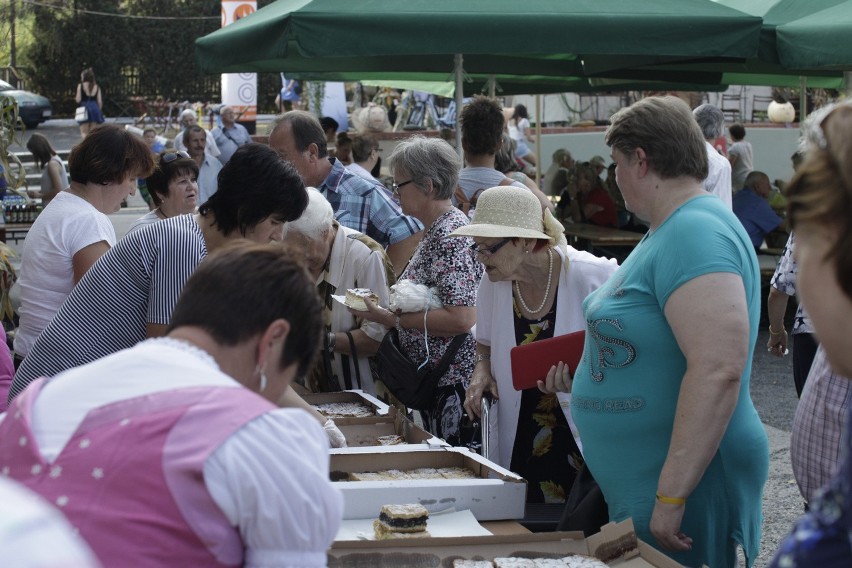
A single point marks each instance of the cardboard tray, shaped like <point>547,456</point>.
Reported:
<point>379,408</point>
<point>362,432</point>
<point>496,493</point>
<point>616,544</point>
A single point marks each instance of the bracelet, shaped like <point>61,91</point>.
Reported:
<point>671,500</point>
<point>777,332</point>
<point>332,341</point>
<point>397,324</point>
<point>483,357</point>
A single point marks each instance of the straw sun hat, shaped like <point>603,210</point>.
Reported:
<point>508,211</point>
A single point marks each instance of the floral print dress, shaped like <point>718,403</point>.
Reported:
<point>545,453</point>
<point>447,264</point>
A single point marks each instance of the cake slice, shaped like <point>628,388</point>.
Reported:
<point>355,298</point>
<point>402,518</point>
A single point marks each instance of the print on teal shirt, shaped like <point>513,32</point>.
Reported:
<point>593,404</point>
<point>611,351</point>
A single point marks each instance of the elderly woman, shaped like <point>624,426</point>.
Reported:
<point>426,172</point>
<point>131,293</point>
<point>661,397</point>
<point>173,187</point>
<point>819,208</point>
<point>339,258</point>
<point>178,439</point>
<point>188,118</point>
<point>74,231</point>
<point>53,176</point>
<point>534,290</point>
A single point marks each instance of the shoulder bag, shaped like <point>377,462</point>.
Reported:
<point>414,387</point>
<point>81,114</point>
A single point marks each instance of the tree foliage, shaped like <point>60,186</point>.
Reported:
<point>145,56</point>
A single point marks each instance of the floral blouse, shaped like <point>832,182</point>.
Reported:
<point>784,280</point>
<point>448,264</point>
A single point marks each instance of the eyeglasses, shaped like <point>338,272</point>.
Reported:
<point>172,156</point>
<point>395,186</point>
<point>488,251</point>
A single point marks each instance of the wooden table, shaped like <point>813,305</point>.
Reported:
<point>14,231</point>
<point>590,237</point>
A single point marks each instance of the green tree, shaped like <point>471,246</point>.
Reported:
<point>136,48</point>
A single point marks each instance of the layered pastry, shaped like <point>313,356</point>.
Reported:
<point>344,410</point>
<point>355,298</point>
<point>401,521</point>
<point>419,473</point>
<point>390,440</point>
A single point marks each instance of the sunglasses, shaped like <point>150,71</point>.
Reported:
<point>488,251</point>
<point>172,156</point>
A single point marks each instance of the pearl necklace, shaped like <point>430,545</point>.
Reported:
<point>546,290</point>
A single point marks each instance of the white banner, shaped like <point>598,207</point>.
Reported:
<point>239,90</point>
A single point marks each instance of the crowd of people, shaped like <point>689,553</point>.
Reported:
<point>158,374</point>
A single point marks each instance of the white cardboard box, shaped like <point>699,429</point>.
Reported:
<point>362,433</point>
<point>616,544</point>
<point>495,494</point>
<point>379,408</point>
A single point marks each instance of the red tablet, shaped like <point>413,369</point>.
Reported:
<point>531,362</point>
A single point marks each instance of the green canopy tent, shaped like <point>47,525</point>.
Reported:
<point>795,31</point>
<point>545,38</point>
<point>819,40</point>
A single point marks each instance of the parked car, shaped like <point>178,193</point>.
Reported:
<point>32,108</point>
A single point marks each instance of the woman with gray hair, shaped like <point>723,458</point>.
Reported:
<point>339,258</point>
<point>425,173</point>
<point>188,118</point>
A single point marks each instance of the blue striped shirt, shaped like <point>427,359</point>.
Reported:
<point>135,283</point>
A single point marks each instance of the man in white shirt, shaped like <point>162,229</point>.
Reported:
<point>230,136</point>
<point>188,119</point>
<point>195,140</point>
<point>718,180</point>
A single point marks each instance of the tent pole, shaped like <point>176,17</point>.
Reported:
<point>538,140</point>
<point>459,76</point>
<point>803,100</point>
<point>492,86</point>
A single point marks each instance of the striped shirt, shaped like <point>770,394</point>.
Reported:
<point>135,283</point>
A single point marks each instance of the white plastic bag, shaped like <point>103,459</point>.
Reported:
<point>406,296</point>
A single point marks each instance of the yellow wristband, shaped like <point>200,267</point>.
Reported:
<point>671,500</point>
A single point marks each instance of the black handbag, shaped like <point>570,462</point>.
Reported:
<point>414,387</point>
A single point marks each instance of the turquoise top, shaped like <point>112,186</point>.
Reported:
<point>626,388</point>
